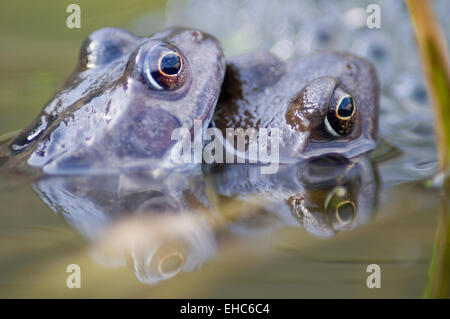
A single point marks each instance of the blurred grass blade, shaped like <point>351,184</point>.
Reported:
<point>439,277</point>
<point>433,50</point>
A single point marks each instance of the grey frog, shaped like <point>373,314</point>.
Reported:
<point>123,100</point>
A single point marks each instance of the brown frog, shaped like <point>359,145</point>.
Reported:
<point>321,104</point>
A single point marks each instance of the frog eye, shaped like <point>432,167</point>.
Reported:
<point>339,204</point>
<point>164,68</point>
<point>341,113</point>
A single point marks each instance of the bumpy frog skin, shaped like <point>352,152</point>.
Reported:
<point>122,102</point>
<point>324,103</point>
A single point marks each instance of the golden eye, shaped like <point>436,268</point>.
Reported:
<point>164,68</point>
<point>345,108</point>
<point>341,113</point>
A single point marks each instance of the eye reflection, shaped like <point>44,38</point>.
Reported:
<point>345,212</point>
<point>171,264</point>
<point>339,203</point>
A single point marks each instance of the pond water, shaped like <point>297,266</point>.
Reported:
<point>310,230</point>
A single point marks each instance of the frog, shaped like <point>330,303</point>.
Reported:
<point>323,103</point>
<point>119,106</point>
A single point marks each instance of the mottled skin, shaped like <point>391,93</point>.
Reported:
<point>260,91</point>
<point>112,112</point>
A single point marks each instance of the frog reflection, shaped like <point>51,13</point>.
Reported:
<point>158,226</point>
<point>161,226</point>
<point>123,100</point>
<point>324,195</point>
<point>158,247</point>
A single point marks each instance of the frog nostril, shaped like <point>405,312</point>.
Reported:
<point>197,36</point>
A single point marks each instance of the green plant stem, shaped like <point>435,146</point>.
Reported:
<point>433,50</point>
